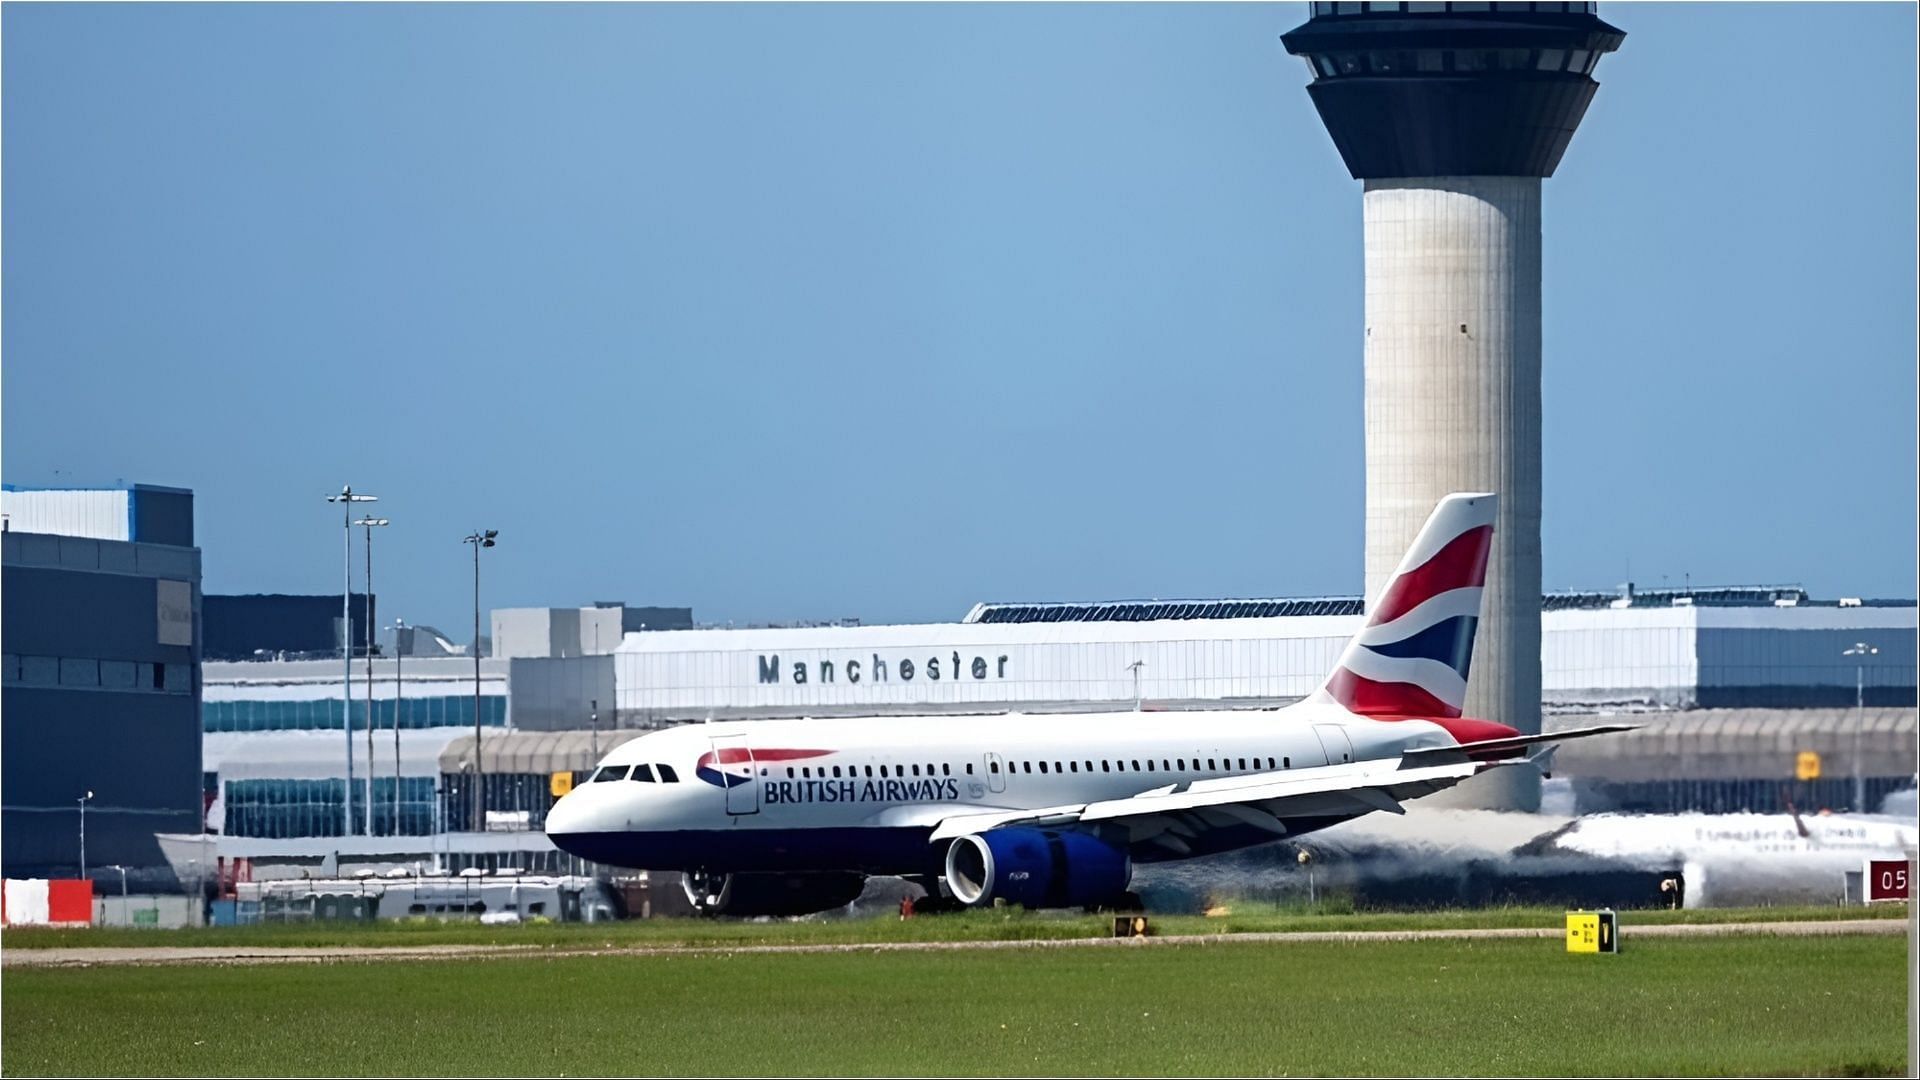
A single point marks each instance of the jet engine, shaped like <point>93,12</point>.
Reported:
<point>1037,868</point>
<point>770,894</point>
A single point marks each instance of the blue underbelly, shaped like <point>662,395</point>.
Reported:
<point>869,850</point>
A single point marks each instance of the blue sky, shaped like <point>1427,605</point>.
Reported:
<point>808,312</point>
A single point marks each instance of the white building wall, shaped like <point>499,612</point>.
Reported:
<point>1634,654</point>
<point>98,515</point>
<point>999,664</point>
<point>1632,657</point>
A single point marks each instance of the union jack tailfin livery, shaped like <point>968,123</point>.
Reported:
<point>1411,660</point>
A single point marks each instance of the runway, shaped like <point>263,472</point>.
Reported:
<point>243,955</point>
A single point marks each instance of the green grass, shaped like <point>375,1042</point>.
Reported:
<point>967,926</point>
<point>1670,1007</point>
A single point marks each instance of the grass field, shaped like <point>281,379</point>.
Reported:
<point>996,925</point>
<point>1670,1006</point>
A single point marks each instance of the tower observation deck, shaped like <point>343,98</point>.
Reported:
<point>1451,114</point>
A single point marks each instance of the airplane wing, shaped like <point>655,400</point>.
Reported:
<point>1168,817</point>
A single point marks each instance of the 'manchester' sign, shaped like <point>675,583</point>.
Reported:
<point>952,667</point>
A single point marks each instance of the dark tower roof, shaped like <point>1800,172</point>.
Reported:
<point>1452,89</point>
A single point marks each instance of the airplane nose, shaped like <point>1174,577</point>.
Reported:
<point>568,817</point>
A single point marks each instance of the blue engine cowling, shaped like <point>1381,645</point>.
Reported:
<point>1037,868</point>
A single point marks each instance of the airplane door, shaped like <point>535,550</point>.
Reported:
<point>733,760</point>
<point>996,773</point>
<point>1334,740</point>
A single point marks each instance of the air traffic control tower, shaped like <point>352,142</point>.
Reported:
<point>1451,114</point>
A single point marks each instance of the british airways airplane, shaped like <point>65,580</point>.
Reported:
<point>791,816</point>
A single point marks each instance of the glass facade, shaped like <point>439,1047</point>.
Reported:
<point>288,808</point>
<point>324,714</point>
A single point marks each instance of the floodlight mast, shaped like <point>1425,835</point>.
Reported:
<point>479,538</point>
<point>346,499</point>
<point>370,523</point>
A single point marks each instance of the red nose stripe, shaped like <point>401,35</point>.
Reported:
<point>1459,565</point>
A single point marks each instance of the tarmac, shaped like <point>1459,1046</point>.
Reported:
<point>245,955</point>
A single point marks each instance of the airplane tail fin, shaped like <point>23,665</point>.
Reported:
<point>1411,658</point>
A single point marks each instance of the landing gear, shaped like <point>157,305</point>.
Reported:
<point>707,892</point>
<point>776,894</point>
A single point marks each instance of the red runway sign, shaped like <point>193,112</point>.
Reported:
<point>1887,879</point>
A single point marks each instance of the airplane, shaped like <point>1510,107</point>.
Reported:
<point>791,816</point>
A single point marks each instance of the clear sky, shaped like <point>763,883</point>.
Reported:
<point>808,312</point>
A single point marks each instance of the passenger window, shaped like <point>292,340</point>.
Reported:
<point>1089,766</point>
<point>929,768</point>
<point>1164,767</point>
<point>668,776</point>
<point>883,770</point>
<point>1026,766</point>
<point>1043,768</point>
<point>836,772</point>
<point>643,773</point>
<point>1286,763</point>
<point>1211,767</point>
<point>1149,764</point>
<point>806,771</point>
<point>1073,766</point>
<point>969,768</point>
<point>869,770</point>
<point>916,770</point>
<point>992,766</point>
<point>1105,765</point>
<point>1136,766</point>
<point>789,772</point>
<point>1243,764</point>
<point>946,769</point>
<point>1182,762</point>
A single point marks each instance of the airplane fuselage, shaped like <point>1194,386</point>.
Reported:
<point>864,794</point>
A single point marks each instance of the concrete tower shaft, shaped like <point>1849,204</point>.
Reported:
<point>1453,404</point>
<point>1451,113</point>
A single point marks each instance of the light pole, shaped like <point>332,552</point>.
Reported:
<point>593,718</point>
<point>83,832</point>
<point>346,499</point>
<point>370,522</point>
<point>399,695</point>
<point>126,907</point>
<point>1135,668</point>
<point>479,539</point>
<point>1860,651</point>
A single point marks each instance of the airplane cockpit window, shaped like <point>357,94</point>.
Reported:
<point>609,772</point>
<point>643,773</point>
<point>667,775</point>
